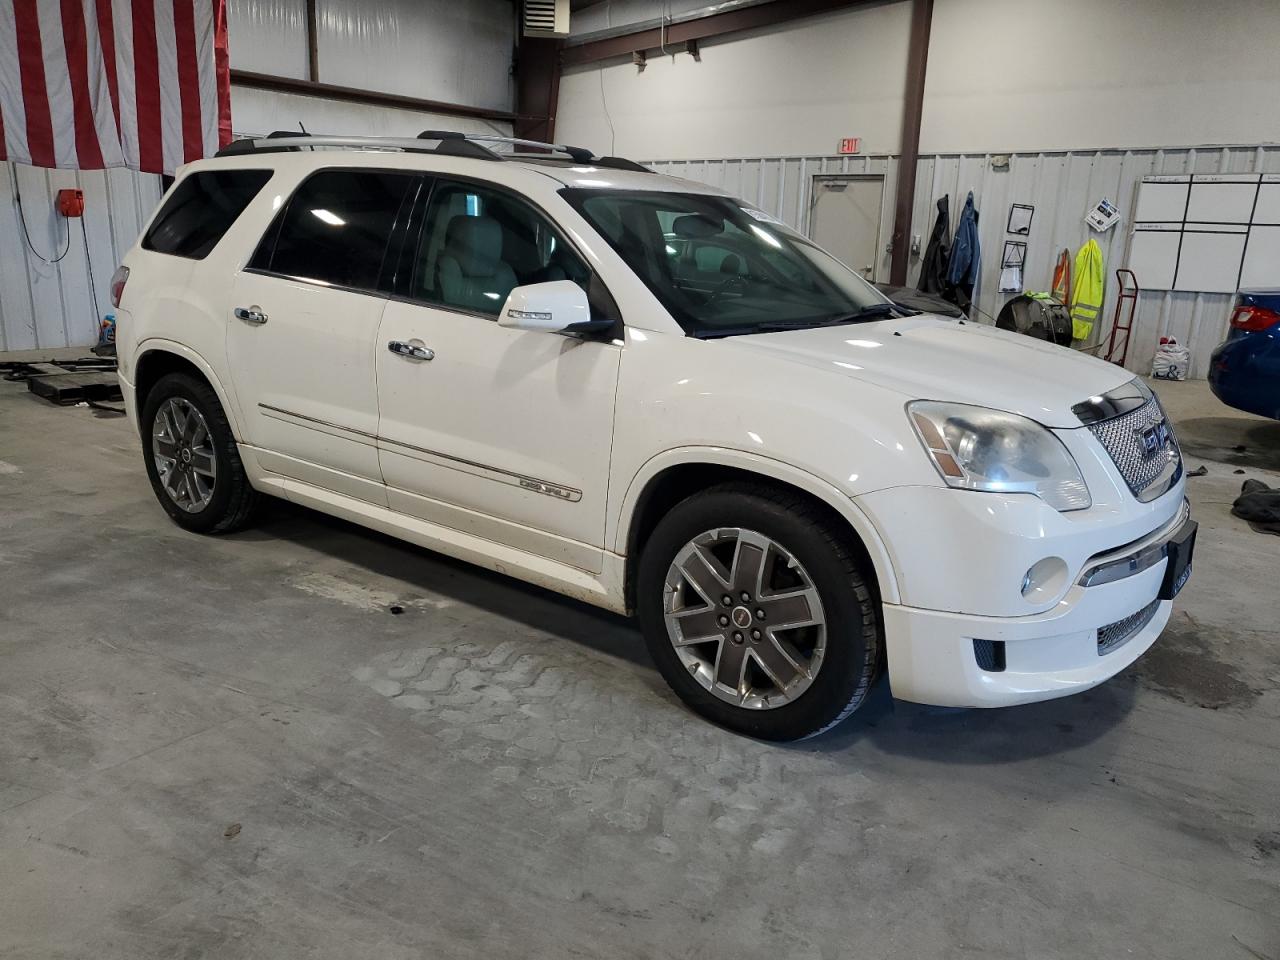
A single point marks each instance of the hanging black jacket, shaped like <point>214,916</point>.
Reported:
<point>937,255</point>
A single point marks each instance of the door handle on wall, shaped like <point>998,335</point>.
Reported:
<point>411,350</point>
<point>251,314</point>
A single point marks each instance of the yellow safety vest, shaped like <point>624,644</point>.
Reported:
<point>1086,290</point>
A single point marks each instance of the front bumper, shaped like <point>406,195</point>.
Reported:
<point>1107,619</point>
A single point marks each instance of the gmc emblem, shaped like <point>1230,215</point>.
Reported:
<point>1154,438</point>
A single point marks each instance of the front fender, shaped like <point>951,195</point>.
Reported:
<point>621,519</point>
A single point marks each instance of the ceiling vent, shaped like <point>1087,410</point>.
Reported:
<point>546,18</point>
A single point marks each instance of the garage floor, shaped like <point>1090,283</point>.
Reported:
<point>235,748</point>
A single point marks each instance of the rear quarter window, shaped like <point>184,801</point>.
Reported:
<point>201,209</point>
<point>336,227</point>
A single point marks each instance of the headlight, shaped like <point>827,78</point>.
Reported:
<point>979,449</point>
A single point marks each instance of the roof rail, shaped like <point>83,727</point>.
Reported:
<point>449,143</point>
<point>282,141</point>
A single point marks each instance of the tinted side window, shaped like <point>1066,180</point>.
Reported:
<point>478,244</point>
<point>336,227</point>
<point>201,209</point>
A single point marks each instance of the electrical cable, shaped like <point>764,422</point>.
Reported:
<point>26,234</point>
<point>93,287</point>
<point>613,136</point>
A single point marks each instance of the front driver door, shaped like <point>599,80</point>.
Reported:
<point>502,434</point>
<point>304,323</point>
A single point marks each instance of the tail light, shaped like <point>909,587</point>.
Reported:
<point>1253,318</point>
<point>118,280</point>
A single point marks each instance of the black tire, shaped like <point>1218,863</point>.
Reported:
<point>233,501</point>
<point>853,649</point>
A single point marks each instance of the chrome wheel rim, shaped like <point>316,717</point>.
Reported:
<point>182,448</point>
<point>745,618</point>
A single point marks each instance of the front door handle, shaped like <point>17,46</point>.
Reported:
<point>251,314</point>
<point>411,349</point>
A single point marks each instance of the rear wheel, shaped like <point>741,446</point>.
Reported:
<point>191,457</point>
<point>757,613</point>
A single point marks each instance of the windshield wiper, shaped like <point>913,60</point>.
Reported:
<point>877,311</point>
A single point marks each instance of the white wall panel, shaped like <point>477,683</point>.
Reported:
<point>51,304</point>
<point>268,36</point>
<point>797,88</point>
<point>258,112</point>
<point>1021,75</point>
<point>1061,186</point>
<point>1042,75</point>
<point>434,49</point>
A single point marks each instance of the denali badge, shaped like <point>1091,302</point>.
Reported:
<point>1154,438</point>
<point>550,489</point>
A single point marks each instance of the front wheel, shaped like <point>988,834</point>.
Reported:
<point>757,613</point>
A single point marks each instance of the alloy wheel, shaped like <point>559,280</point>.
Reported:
<point>745,618</point>
<point>182,447</point>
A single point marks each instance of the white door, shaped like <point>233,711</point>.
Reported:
<point>845,220</point>
<point>303,328</point>
<point>503,434</point>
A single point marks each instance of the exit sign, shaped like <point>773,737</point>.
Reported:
<point>850,144</point>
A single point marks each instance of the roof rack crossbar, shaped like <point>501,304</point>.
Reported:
<point>578,154</point>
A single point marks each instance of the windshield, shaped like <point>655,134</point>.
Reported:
<point>721,268</point>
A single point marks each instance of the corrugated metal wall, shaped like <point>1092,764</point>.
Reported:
<point>437,49</point>
<point>51,304</point>
<point>1063,187</point>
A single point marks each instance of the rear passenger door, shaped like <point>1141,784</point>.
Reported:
<point>503,434</point>
<point>303,324</point>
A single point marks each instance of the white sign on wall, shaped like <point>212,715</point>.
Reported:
<point>1207,233</point>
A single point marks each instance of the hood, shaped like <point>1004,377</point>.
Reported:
<point>928,358</point>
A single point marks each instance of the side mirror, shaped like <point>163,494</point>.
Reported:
<point>553,307</point>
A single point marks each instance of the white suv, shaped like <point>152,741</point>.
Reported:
<point>650,396</point>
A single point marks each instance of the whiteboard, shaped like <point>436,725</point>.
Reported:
<point>1153,257</point>
<point>1210,262</point>
<point>1262,259</point>
<point>1222,202</point>
<point>1160,201</point>
<point>1268,210</point>
<point>1206,233</point>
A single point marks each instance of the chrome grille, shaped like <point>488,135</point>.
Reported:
<point>1148,472</point>
<point>1117,634</point>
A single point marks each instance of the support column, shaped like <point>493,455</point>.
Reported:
<point>912,112</point>
<point>537,88</point>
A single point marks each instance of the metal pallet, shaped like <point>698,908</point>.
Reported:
<point>66,382</point>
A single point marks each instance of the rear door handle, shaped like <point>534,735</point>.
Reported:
<point>411,349</point>
<point>251,314</point>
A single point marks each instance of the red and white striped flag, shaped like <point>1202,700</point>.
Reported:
<point>87,84</point>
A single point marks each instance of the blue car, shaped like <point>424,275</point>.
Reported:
<point>1244,371</point>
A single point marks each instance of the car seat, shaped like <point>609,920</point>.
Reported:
<point>472,273</point>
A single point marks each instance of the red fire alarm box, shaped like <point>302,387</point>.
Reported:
<point>71,203</point>
<point>850,144</point>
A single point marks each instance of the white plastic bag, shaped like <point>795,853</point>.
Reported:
<point>1171,361</point>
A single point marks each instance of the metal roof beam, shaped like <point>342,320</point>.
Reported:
<point>703,28</point>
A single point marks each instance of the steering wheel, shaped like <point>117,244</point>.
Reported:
<point>725,287</point>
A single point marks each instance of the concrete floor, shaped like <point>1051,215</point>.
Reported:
<point>233,748</point>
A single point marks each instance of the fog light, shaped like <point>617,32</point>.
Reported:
<point>1045,580</point>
